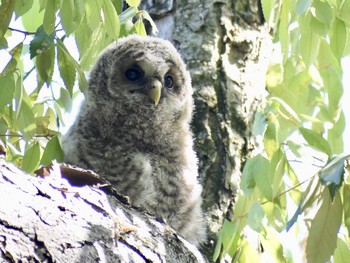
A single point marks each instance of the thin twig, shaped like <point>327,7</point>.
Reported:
<point>21,31</point>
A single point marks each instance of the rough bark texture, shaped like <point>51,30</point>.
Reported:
<point>48,220</point>
<point>225,46</point>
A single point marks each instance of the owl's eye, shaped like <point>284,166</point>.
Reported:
<point>133,74</point>
<point>168,81</point>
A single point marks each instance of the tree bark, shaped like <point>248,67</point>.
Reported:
<point>49,220</point>
<point>225,45</point>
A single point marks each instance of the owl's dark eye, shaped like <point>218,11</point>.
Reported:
<point>168,82</point>
<point>133,74</point>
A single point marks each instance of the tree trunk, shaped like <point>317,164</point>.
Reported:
<point>225,45</point>
<point>49,220</point>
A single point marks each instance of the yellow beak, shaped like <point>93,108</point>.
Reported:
<point>155,91</point>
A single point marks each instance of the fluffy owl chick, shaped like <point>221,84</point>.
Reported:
<point>133,129</point>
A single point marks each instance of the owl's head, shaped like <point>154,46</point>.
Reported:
<point>142,74</point>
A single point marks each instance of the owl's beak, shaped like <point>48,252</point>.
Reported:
<point>155,91</point>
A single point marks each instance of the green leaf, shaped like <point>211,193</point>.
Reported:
<point>6,10</point>
<point>346,206</point>
<point>127,14</point>
<point>260,171</point>
<point>248,254</point>
<point>7,89</point>
<point>344,11</point>
<point>146,16</point>
<point>342,253</point>
<point>52,151</point>
<point>316,140</point>
<point>66,65</point>
<point>271,141</point>
<point>93,13</point>
<point>111,23</point>
<point>45,63</point>
<point>83,37</point>
<point>229,235</point>
<point>50,16</point>
<point>26,122</point>
<point>309,47</point>
<point>71,13</point>
<point>19,90</point>
<point>133,3</point>
<point>273,246</point>
<point>324,13</point>
<point>267,8</point>
<point>65,100</point>
<point>283,29</point>
<point>16,53</point>
<point>95,47</point>
<point>31,158</point>
<point>255,217</point>
<point>276,171</point>
<point>303,6</point>
<point>41,42</point>
<point>22,7</point>
<point>324,228</point>
<point>338,38</point>
<point>33,18</point>
<point>332,174</point>
<point>275,215</point>
<point>140,28</point>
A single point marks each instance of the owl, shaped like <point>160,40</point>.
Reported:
<point>134,130</point>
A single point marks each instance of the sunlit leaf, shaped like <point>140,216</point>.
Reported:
<point>267,8</point>
<point>140,27</point>
<point>255,217</point>
<point>283,29</point>
<point>276,172</point>
<point>65,100</point>
<point>45,63</point>
<point>275,215</point>
<point>93,13</point>
<point>303,6</point>
<point>324,228</point>
<point>316,140</point>
<point>83,36</point>
<point>127,14</point>
<point>342,252</point>
<point>133,3</point>
<point>338,38</point>
<point>146,16</point>
<point>323,13</point>
<point>335,134</point>
<point>344,12</point>
<point>273,246</point>
<point>230,235</point>
<point>111,23</point>
<point>261,174</point>
<point>50,16</point>
<point>31,158</point>
<point>71,13</point>
<point>22,7</point>
<point>26,121</point>
<point>66,67</point>
<point>346,206</point>
<point>52,151</point>
<point>95,46</point>
<point>309,47</point>
<point>19,90</point>
<point>7,88</point>
<point>16,53</point>
<point>309,196</point>
<point>271,141</point>
<point>6,10</point>
<point>248,254</point>
<point>32,19</point>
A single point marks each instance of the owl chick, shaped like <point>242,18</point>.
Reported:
<point>134,130</point>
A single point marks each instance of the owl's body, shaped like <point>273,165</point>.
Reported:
<point>134,130</point>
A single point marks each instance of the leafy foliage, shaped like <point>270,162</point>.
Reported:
<point>30,115</point>
<point>304,105</point>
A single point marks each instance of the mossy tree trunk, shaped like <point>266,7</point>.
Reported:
<point>225,45</point>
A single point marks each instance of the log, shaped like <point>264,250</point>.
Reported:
<point>67,214</point>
